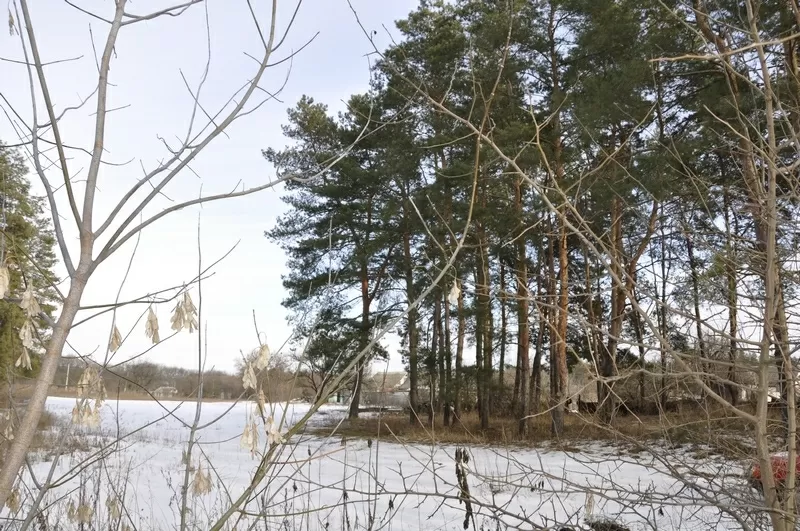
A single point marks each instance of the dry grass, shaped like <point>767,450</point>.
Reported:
<point>694,426</point>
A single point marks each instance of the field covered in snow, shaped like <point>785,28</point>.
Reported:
<point>326,483</point>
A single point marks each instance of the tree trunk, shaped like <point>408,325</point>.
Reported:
<point>439,346</point>
<point>561,333</point>
<point>608,355</point>
<point>479,336</point>
<point>485,309</point>
<point>412,318</point>
<point>559,364</point>
<point>536,373</point>
<point>462,325</point>
<point>355,403</point>
<point>638,327</point>
<point>15,455</point>
<point>448,353</point>
<point>733,318</point>
<point>523,327</point>
<point>501,382</point>
<point>698,323</point>
<point>663,329</point>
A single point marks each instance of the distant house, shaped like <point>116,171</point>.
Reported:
<point>165,392</point>
<point>582,386</point>
<point>389,389</point>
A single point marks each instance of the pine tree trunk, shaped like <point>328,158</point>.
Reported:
<point>559,363</point>
<point>440,362</point>
<point>663,328</point>
<point>479,336</point>
<point>608,355</point>
<point>561,333</point>
<point>733,318</point>
<point>448,352</point>
<point>412,318</point>
<point>698,323</point>
<point>638,328</point>
<point>485,311</point>
<point>523,327</point>
<point>459,377</point>
<point>355,403</point>
<point>501,382</point>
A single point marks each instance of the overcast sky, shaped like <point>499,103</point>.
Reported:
<point>153,102</point>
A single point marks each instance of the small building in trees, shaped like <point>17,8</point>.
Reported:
<point>165,392</point>
<point>389,389</point>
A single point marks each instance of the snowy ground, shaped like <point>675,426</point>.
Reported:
<point>385,486</point>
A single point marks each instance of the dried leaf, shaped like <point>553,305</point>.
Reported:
<point>250,438</point>
<point>76,413</point>
<point>188,305</point>
<point>116,339</point>
<point>263,357</point>
<point>151,326</point>
<point>262,401</point>
<point>112,504</point>
<point>12,27</point>
<point>24,360</point>
<point>190,312</point>
<point>84,513</point>
<point>29,304</point>
<point>71,511</point>
<point>178,318</point>
<point>5,281</point>
<point>249,379</point>
<point>27,334</point>
<point>274,436</point>
<point>184,315</point>
<point>455,292</point>
<point>202,482</point>
<point>13,501</point>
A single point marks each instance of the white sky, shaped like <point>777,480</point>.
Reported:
<point>146,78</point>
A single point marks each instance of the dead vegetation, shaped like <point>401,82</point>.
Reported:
<point>711,426</point>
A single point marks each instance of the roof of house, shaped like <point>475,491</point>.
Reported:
<point>389,381</point>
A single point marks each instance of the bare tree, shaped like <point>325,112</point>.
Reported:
<point>40,128</point>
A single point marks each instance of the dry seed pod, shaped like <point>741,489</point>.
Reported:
<point>13,501</point>
<point>455,292</point>
<point>249,378</point>
<point>262,361</point>
<point>116,339</point>
<point>151,326</point>
<point>29,303</point>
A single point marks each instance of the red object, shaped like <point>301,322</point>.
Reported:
<point>780,467</point>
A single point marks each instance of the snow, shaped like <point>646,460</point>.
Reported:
<point>385,485</point>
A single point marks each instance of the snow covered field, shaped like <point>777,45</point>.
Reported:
<point>326,483</point>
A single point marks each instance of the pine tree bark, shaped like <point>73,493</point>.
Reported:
<point>536,372</point>
<point>608,356</point>
<point>523,327</point>
<point>412,318</point>
<point>559,361</point>
<point>440,361</point>
<point>459,376</point>
<point>732,283</point>
<point>501,382</point>
<point>485,330</point>
<point>366,300</point>
<point>448,353</point>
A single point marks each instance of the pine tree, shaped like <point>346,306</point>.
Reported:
<point>336,233</point>
<point>27,247</point>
